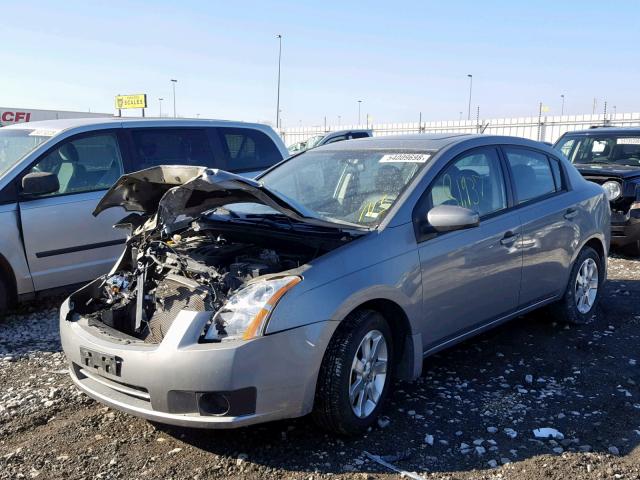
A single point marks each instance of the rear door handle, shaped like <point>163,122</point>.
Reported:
<point>570,213</point>
<point>509,238</point>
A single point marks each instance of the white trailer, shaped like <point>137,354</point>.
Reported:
<point>9,116</point>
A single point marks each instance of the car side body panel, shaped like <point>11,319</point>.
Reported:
<point>340,281</point>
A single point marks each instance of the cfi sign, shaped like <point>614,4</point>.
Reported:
<point>7,116</point>
<point>131,101</point>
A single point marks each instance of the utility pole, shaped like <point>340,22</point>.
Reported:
<point>470,89</point>
<point>279,37</point>
<point>174,81</point>
<point>539,120</point>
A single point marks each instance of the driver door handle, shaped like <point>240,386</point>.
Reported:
<point>571,213</point>
<point>509,238</point>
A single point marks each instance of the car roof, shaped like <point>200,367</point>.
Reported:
<point>432,142</point>
<point>350,130</point>
<point>126,122</point>
<point>600,130</point>
<point>419,141</point>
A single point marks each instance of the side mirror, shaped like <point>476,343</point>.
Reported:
<point>40,183</point>
<point>446,218</point>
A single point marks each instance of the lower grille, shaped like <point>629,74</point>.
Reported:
<point>131,390</point>
<point>172,296</point>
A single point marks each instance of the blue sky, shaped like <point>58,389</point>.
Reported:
<point>399,58</point>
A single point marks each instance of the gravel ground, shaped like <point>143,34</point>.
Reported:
<point>471,414</point>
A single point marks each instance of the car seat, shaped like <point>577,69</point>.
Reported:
<point>71,175</point>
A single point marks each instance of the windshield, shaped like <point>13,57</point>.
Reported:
<point>609,149</point>
<point>15,144</point>
<point>313,141</point>
<point>347,186</point>
<point>305,145</point>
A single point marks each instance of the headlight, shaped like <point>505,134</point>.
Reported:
<point>246,313</point>
<point>613,189</point>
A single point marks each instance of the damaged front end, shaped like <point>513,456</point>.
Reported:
<point>188,252</point>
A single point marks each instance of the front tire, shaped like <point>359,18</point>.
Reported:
<point>580,301</point>
<point>355,374</point>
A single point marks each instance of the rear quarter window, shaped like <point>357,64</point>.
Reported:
<point>245,149</point>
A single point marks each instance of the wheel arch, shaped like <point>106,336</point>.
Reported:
<point>407,345</point>
<point>8,276</point>
<point>598,244</point>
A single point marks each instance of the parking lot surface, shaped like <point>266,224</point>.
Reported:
<point>471,415</point>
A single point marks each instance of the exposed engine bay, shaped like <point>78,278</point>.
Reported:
<point>195,270</point>
<point>188,252</point>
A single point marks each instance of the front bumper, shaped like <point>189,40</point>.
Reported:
<point>274,376</point>
<point>625,228</point>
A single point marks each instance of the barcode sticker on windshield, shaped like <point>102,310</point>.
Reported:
<point>405,157</point>
<point>628,141</point>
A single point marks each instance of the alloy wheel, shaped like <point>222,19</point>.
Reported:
<point>586,288</point>
<point>368,374</point>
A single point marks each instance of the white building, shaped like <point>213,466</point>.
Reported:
<point>10,115</point>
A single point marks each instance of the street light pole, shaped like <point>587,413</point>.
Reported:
<point>174,81</point>
<point>562,107</point>
<point>160,101</point>
<point>359,104</point>
<point>470,89</point>
<point>279,37</point>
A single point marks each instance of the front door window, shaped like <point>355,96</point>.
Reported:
<point>84,164</point>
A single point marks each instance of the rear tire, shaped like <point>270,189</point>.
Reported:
<point>632,250</point>
<point>355,374</point>
<point>580,301</point>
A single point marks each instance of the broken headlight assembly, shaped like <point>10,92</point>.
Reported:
<point>245,314</point>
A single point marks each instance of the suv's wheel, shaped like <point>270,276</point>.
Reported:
<point>583,291</point>
<point>355,374</point>
<point>633,249</point>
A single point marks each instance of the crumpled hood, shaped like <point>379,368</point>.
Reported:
<point>180,192</point>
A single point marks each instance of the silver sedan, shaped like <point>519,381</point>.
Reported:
<point>310,289</point>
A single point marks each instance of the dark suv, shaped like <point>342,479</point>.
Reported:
<point>611,157</point>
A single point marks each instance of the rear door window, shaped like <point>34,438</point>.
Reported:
<point>532,174</point>
<point>246,149</point>
<point>163,146</point>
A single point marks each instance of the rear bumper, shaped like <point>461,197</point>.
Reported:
<point>625,228</point>
<point>269,378</point>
